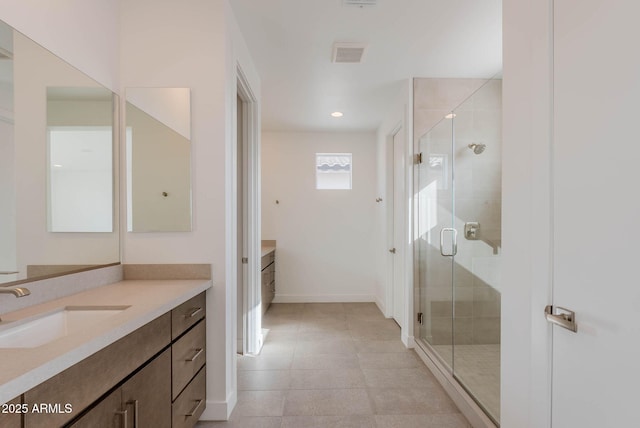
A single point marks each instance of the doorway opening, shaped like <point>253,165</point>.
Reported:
<point>395,227</point>
<point>248,302</point>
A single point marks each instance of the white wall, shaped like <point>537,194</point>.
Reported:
<point>325,238</point>
<point>525,392</point>
<point>82,32</point>
<point>399,114</point>
<point>201,51</point>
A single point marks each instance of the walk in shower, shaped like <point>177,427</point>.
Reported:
<point>458,244</point>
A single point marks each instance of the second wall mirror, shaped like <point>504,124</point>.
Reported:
<point>158,151</point>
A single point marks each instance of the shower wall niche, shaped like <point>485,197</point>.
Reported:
<point>458,230</point>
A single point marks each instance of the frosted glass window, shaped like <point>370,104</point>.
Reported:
<point>333,171</point>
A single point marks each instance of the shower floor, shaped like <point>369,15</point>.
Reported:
<point>477,367</point>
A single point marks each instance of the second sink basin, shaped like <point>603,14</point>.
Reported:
<point>44,328</point>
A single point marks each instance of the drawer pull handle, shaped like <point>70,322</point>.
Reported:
<point>196,355</point>
<point>125,418</point>
<point>193,313</point>
<point>195,409</point>
<point>135,412</point>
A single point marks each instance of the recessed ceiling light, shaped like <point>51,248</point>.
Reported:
<point>450,116</point>
<point>57,165</point>
<point>337,114</point>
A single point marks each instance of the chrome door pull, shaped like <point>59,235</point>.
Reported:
<point>455,241</point>
<point>565,319</point>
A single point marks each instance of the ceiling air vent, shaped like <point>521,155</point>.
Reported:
<point>348,52</point>
<point>360,3</point>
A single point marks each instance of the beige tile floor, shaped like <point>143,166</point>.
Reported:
<point>338,365</point>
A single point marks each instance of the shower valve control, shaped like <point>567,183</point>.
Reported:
<point>472,230</point>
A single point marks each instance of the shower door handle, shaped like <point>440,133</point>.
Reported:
<point>454,241</point>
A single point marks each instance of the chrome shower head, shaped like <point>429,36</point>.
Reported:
<point>477,147</point>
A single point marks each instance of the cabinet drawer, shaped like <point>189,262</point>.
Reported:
<point>267,259</point>
<point>188,356</point>
<point>189,406</point>
<point>187,314</point>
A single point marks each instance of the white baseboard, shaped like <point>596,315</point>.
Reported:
<point>408,341</point>
<point>323,298</point>
<point>219,410</point>
<point>379,304</point>
<point>460,397</point>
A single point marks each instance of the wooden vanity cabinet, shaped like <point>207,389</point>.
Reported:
<point>82,384</point>
<point>153,377</point>
<point>268,279</point>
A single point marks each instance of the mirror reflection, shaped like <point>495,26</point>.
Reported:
<point>158,123</point>
<point>80,159</point>
<point>43,103</point>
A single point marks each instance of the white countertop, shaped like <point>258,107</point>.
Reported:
<point>267,249</point>
<point>23,368</point>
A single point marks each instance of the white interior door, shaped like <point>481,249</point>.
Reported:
<point>398,227</point>
<point>596,160</point>
<point>242,228</point>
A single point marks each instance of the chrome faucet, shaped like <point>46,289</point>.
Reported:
<point>18,291</point>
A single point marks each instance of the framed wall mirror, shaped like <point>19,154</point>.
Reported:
<point>158,152</point>
<point>58,186</point>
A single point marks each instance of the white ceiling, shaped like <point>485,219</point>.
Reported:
<point>291,44</point>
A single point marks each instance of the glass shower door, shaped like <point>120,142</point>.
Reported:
<point>435,236</point>
<point>476,266</point>
<point>458,240</point>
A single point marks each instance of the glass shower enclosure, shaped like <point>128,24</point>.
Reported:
<point>458,244</point>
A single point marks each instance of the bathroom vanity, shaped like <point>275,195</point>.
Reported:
<point>141,366</point>
<point>268,264</point>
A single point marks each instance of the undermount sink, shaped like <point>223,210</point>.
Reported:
<point>43,328</point>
